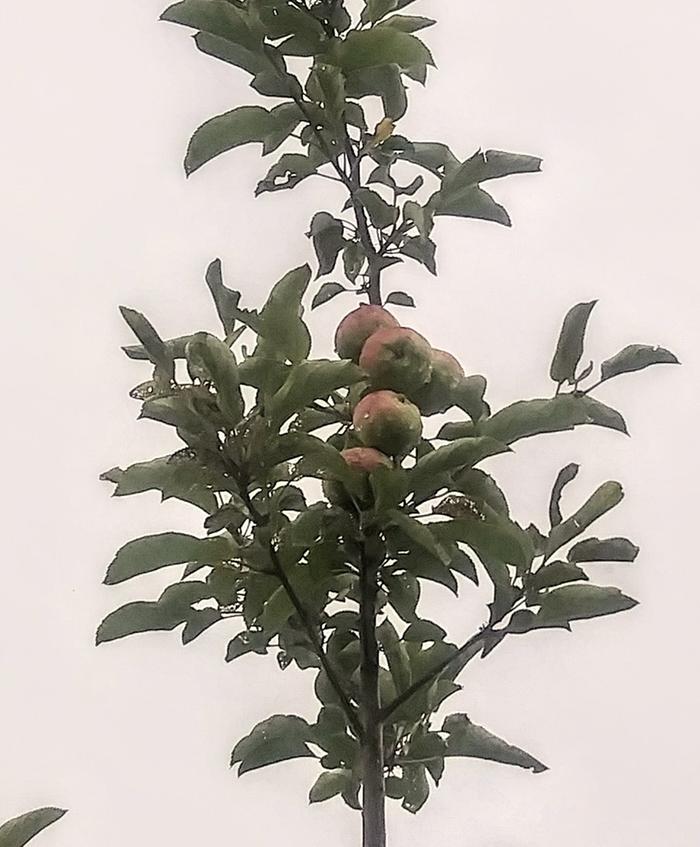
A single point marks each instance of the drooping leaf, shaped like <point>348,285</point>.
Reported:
<point>491,536</point>
<point>570,344</point>
<point>403,592</point>
<point>216,17</point>
<point>481,488</point>
<point>419,533</point>
<point>606,497</point>
<point>396,655</point>
<point>327,292</point>
<point>289,171</point>
<point>400,298</point>
<point>465,738</point>
<point>381,213</point>
<point>564,477</point>
<point>330,784</point>
<point>18,831</point>
<point>603,550</point>
<point>415,787</point>
<point>383,81</point>
<point>152,552</point>
<point>469,396</point>
<point>578,602</point>
<point>276,739</point>
<point>421,250</point>
<point>557,414</point>
<point>423,630</point>
<point>327,235</point>
<point>225,299</point>
<point>636,357</point>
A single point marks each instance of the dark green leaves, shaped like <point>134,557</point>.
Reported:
<point>276,739</point>
<point>379,46</point>
<point>468,739</point>
<point>577,602</point>
<point>211,357</point>
<point>327,292</point>
<point>556,573</point>
<point>309,381</point>
<point>173,607</point>
<point>564,477</point>
<point>606,497</point>
<point>603,550</point>
<point>534,417</point>
<point>464,452</point>
<point>327,235</point>
<point>217,17</point>
<point>636,357</point>
<point>153,552</point>
<point>461,195</point>
<point>331,784</point>
<point>244,125</point>
<point>157,350</point>
<point>18,831</point>
<point>570,345</point>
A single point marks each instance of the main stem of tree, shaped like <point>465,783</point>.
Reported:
<point>373,798</point>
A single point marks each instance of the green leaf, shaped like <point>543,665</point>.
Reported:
<point>396,655</point>
<point>422,251</point>
<point>636,357</point>
<point>603,550</point>
<point>420,216</point>
<point>327,235</point>
<point>481,488</point>
<point>570,344</point>
<point>468,739</point>
<point>247,642</point>
<point>289,171</point>
<point>556,573</point>
<point>400,298</point>
<point>422,631</point>
<point>557,414</point>
<point>429,567</point>
<point>284,334</point>
<point>330,784</point>
<point>216,17</point>
<point>18,831</point>
<point>153,552</point>
<point>490,536</point>
<point>464,452</point>
<point>381,213</point>
<point>375,10</point>
<point>564,477</point>
<point>309,381</point>
<point>327,292</point>
<point>408,23</point>
<point>419,533</point>
<point>415,787</point>
<point>579,602</point>
<point>403,591</point>
<point>434,157</point>
<point>277,611</point>
<point>225,299</point>
<point>353,260</point>
<point>154,345</point>
<point>469,396</point>
<point>276,739</point>
<point>383,81</point>
<point>606,497</point>
<point>244,125</point>
<point>218,361</point>
<point>252,61</point>
<point>379,46</point>
<point>183,480</point>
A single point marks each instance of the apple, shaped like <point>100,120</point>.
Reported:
<point>357,327</point>
<point>389,422</point>
<point>362,460</point>
<point>437,394</point>
<point>397,358</point>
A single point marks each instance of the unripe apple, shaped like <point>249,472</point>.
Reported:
<point>362,460</point>
<point>388,421</point>
<point>357,327</point>
<point>437,395</point>
<point>398,359</point>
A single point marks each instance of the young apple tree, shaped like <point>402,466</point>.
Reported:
<point>328,499</point>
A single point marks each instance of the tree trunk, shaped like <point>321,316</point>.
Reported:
<point>373,799</point>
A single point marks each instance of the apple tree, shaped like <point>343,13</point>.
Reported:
<point>328,494</point>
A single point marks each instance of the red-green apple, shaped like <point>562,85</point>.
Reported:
<point>398,359</point>
<point>363,461</point>
<point>437,395</point>
<point>357,327</point>
<point>389,422</point>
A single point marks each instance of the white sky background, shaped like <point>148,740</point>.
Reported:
<point>98,103</point>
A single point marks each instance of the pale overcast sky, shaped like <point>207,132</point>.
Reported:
<point>134,738</point>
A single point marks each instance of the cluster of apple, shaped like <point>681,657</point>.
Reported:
<point>407,379</point>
